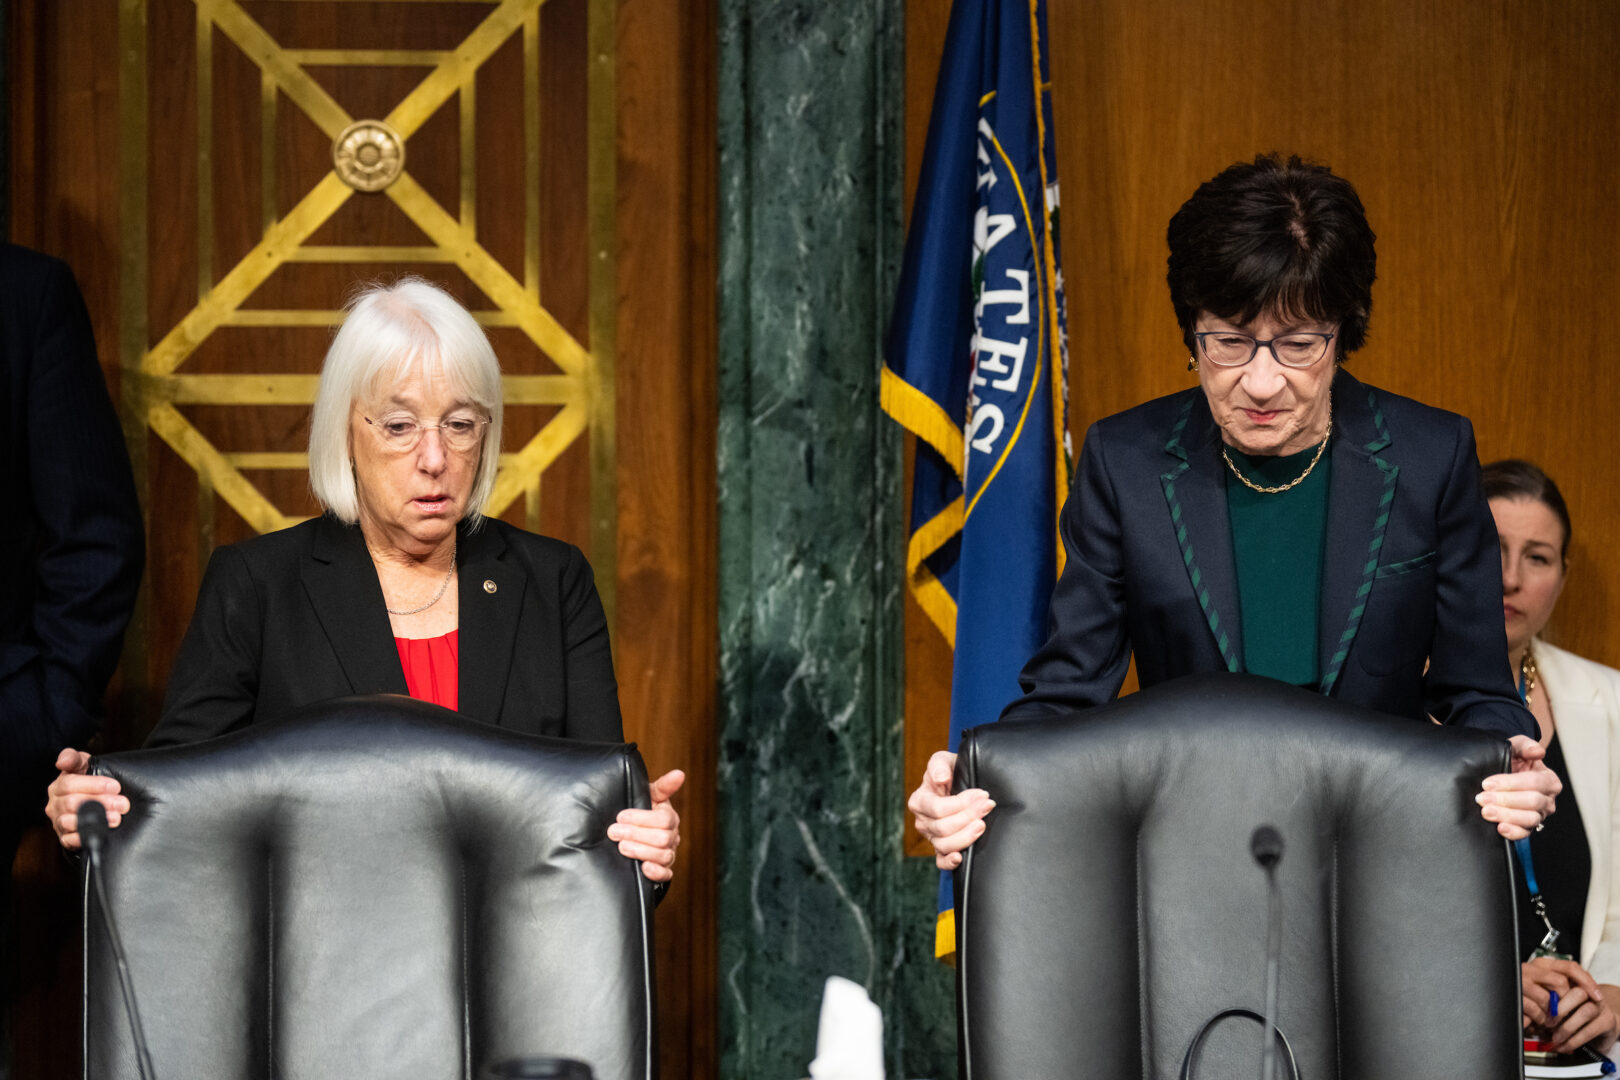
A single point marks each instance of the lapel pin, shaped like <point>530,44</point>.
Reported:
<point>489,586</point>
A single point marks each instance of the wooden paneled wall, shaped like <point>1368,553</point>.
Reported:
<point>1484,140</point>
<point>67,195</point>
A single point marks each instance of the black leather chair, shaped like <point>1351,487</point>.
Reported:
<point>373,890</point>
<point>1112,906</point>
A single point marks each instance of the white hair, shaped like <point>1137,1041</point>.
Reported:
<point>389,332</point>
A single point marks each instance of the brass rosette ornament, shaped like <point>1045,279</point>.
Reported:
<point>368,155</point>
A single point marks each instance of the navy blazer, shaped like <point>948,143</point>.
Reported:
<point>73,544</point>
<point>298,616</point>
<point>1411,572</point>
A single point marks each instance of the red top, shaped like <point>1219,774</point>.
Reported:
<point>432,667</point>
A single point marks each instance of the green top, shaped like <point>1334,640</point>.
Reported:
<point>1277,544</point>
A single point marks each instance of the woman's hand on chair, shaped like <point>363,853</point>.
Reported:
<point>72,786</point>
<point>949,822</point>
<point>651,836</point>
<point>1519,800</point>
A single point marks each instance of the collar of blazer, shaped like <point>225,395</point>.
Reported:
<point>1361,488</point>
<point>1575,690</point>
<point>341,585</point>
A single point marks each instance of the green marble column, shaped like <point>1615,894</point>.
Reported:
<point>813,881</point>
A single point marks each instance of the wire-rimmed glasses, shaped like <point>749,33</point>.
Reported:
<point>401,432</point>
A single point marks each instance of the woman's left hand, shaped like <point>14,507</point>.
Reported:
<point>652,835</point>
<point>1582,1020</point>
<point>1520,799</point>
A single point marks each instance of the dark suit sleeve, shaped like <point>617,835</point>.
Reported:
<point>593,693</point>
<point>1087,649</point>
<point>90,542</point>
<point>1468,681</point>
<point>214,683</point>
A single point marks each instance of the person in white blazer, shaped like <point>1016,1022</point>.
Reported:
<point>1576,702</point>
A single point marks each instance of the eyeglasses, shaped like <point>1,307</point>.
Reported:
<point>401,432</point>
<point>1299,349</point>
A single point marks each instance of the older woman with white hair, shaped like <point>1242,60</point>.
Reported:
<point>401,586</point>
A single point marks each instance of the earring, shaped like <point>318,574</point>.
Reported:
<point>1192,362</point>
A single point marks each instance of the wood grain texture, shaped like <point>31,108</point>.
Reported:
<point>928,657</point>
<point>64,178</point>
<point>665,636</point>
<point>1483,141</point>
<point>65,204</point>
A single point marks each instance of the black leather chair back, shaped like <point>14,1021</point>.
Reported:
<point>373,889</point>
<point>1112,905</point>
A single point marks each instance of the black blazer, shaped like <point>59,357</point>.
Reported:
<point>73,546</point>
<point>298,616</point>
<point>1411,574</point>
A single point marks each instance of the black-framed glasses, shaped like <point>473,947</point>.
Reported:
<point>1298,349</point>
<point>402,432</point>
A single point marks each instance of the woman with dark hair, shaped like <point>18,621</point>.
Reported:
<point>1577,704</point>
<point>1280,518</point>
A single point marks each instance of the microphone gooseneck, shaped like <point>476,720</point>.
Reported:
<point>1266,845</point>
<point>93,834</point>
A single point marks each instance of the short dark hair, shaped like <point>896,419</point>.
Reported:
<point>1513,478</point>
<point>1278,236</point>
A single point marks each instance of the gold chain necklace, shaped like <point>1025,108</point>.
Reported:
<point>1295,482</point>
<point>1527,674</point>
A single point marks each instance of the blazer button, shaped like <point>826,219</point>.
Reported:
<point>489,586</point>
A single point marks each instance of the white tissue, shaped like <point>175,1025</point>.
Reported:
<point>849,1041</point>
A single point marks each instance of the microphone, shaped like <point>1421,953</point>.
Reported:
<point>93,833</point>
<point>93,827</point>
<point>1266,845</point>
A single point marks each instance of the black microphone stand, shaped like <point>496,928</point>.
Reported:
<point>1267,847</point>
<point>93,832</point>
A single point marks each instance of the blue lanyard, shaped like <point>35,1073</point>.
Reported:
<point>1521,848</point>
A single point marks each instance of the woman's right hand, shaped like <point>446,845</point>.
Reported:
<point>950,822</point>
<point>72,786</point>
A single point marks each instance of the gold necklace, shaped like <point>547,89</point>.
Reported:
<point>1527,674</point>
<point>1295,482</point>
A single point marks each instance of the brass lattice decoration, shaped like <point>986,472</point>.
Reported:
<point>154,387</point>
